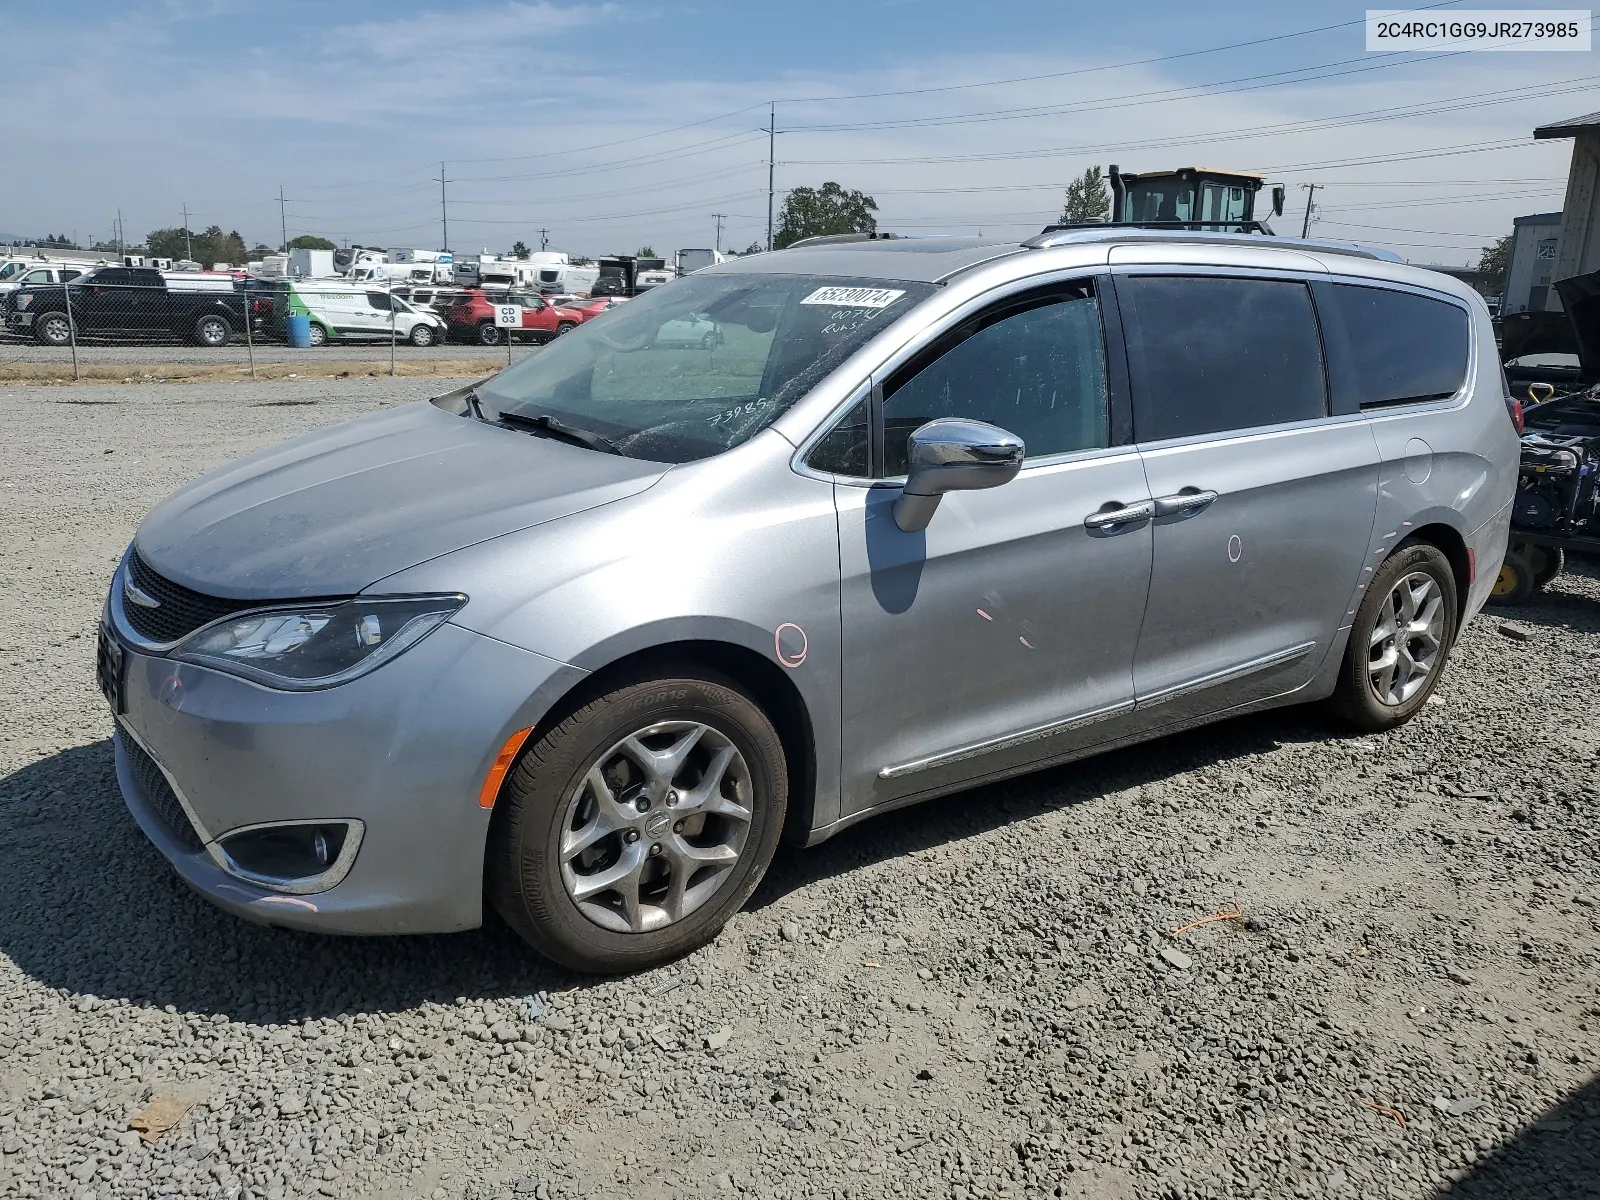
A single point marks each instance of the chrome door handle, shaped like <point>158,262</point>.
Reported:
<point>1108,518</point>
<point>1183,502</point>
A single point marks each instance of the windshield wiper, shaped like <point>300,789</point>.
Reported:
<point>548,424</point>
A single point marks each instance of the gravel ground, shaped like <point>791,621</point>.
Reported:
<point>156,354</point>
<point>978,998</point>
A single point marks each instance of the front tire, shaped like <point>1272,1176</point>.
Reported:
<point>1400,640</point>
<point>421,336</point>
<point>488,333</point>
<point>52,329</point>
<point>631,832</point>
<point>565,327</point>
<point>319,335</point>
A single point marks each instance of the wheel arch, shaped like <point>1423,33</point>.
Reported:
<point>766,682</point>
<point>1448,540</point>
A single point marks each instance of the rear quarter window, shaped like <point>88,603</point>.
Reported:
<point>1391,347</point>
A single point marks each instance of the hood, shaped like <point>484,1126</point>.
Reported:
<point>332,512</point>
<point>1527,333</point>
<point>1580,297</point>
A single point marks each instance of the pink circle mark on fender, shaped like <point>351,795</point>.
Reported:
<point>787,654</point>
<point>1235,548</point>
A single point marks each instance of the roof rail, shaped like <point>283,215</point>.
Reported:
<point>837,239</point>
<point>1055,235</point>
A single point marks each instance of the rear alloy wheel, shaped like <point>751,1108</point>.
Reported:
<point>488,333</point>
<point>631,832</point>
<point>422,335</point>
<point>1401,637</point>
<point>52,329</point>
<point>212,331</point>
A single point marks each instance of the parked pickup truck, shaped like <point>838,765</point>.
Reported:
<point>138,301</point>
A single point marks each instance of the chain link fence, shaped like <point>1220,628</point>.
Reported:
<point>124,315</point>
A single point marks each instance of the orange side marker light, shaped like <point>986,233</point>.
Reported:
<point>502,763</point>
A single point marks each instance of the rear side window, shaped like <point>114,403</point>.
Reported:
<point>1212,355</point>
<point>1396,347</point>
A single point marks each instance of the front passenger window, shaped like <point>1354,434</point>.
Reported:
<point>1034,367</point>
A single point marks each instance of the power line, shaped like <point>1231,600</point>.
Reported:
<point>1137,62</point>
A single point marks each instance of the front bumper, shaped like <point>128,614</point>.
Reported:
<point>403,750</point>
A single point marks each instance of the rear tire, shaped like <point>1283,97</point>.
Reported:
<point>685,842</point>
<point>1515,583</point>
<point>52,329</point>
<point>1400,640</point>
<point>212,330</point>
<point>1547,562</point>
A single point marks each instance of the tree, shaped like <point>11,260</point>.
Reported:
<point>310,241</point>
<point>168,243</point>
<point>1087,199</point>
<point>752,248</point>
<point>1494,262</point>
<point>645,252</point>
<point>813,212</point>
<point>520,250</point>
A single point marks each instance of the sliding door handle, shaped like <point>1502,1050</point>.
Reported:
<point>1183,502</point>
<point>1127,514</point>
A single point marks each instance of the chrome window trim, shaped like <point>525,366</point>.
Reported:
<point>1253,431</point>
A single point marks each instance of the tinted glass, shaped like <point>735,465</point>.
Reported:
<point>378,300</point>
<point>843,449</point>
<point>1209,355</point>
<point>1399,346</point>
<point>1035,368</point>
<point>703,363</point>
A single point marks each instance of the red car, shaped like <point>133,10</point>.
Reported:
<point>472,318</point>
<point>588,307</point>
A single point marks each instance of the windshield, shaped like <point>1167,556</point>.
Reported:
<point>10,269</point>
<point>702,364</point>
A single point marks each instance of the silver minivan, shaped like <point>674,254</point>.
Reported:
<point>589,638</point>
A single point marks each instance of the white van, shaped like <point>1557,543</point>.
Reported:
<point>564,277</point>
<point>341,311</point>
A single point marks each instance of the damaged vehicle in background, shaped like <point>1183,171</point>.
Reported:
<point>1553,360</point>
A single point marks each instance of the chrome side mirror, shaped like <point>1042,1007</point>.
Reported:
<point>954,454</point>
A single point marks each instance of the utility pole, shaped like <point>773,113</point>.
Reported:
<point>1311,191</point>
<point>188,242</point>
<point>544,239</point>
<point>283,220</point>
<point>444,210</point>
<point>772,142</point>
<point>721,217</point>
<point>119,235</point>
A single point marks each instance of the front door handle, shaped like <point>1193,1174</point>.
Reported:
<point>1183,502</point>
<point>1127,514</point>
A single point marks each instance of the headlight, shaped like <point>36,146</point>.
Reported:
<point>24,300</point>
<point>301,649</point>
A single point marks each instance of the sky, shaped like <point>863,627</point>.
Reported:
<point>619,125</point>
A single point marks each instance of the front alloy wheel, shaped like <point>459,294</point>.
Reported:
<point>656,826</point>
<point>633,829</point>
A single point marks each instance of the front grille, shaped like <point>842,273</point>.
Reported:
<point>181,611</point>
<point>159,797</point>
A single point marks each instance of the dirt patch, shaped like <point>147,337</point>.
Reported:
<point>61,373</point>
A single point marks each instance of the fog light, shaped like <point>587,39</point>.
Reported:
<point>299,856</point>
